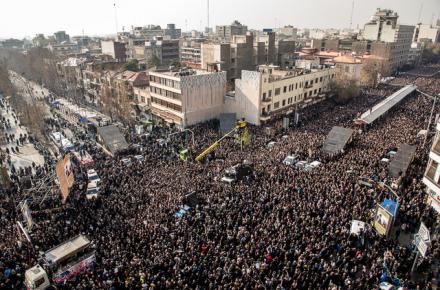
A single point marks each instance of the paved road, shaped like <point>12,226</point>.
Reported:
<point>27,152</point>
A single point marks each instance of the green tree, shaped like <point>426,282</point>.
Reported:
<point>342,90</point>
<point>132,65</point>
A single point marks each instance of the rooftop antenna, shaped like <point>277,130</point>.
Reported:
<point>208,14</point>
<point>116,20</point>
<point>420,12</point>
<point>351,16</point>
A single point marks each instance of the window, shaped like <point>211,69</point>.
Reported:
<point>264,96</point>
<point>320,79</point>
<point>284,103</point>
<point>296,86</point>
<point>310,93</point>
<point>314,92</point>
<point>347,69</point>
<point>276,105</point>
<point>285,89</point>
<point>319,90</point>
<point>316,80</point>
<point>277,91</point>
<point>270,93</point>
<point>311,82</point>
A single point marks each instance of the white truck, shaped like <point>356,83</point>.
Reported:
<point>61,263</point>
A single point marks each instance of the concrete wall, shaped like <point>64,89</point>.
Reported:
<point>202,97</point>
<point>247,97</point>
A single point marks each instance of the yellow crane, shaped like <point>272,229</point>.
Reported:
<point>240,125</point>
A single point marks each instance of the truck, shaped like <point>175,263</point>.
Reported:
<point>237,172</point>
<point>61,263</point>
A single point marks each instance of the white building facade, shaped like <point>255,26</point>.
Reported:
<point>432,174</point>
<point>187,98</point>
<point>270,91</point>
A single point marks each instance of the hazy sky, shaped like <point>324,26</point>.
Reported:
<point>20,18</point>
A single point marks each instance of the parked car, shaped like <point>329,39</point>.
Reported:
<point>290,160</point>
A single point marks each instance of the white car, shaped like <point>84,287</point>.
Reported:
<point>126,161</point>
<point>301,164</point>
<point>312,165</point>
<point>290,160</point>
<point>93,177</point>
<point>139,158</point>
<point>271,144</point>
<point>92,192</point>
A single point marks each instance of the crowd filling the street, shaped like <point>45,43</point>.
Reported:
<point>281,227</point>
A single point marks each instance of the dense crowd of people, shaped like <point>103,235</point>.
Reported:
<point>285,228</point>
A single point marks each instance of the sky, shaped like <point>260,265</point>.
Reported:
<point>26,18</point>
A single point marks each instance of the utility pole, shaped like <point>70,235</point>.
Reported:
<point>351,16</point>
<point>208,14</point>
<point>420,13</point>
<point>116,20</point>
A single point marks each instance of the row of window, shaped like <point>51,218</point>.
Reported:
<point>293,100</point>
<point>295,86</point>
<point>165,82</point>
<point>165,93</point>
<point>166,104</point>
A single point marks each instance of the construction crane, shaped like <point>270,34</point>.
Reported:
<point>240,125</point>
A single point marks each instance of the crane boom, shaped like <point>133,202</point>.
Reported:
<point>240,125</point>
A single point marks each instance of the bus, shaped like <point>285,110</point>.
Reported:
<point>61,263</point>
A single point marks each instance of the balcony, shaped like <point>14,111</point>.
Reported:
<point>436,147</point>
<point>267,100</point>
<point>429,178</point>
<point>264,117</point>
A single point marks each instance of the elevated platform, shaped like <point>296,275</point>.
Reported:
<point>399,165</point>
<point>336,140</point>
<point>383,107</point>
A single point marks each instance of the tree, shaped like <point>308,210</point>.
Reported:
<point>343,89</point>
<point>431,53</point>
<point>153,61</point>
<point>132,65</point>
<point>372,69</point>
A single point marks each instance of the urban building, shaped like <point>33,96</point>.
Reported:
<point>390,39</point>
<point>12,43</point>
<point>415,54</point>
<point>115,49</point>
<point>187,97</point>
<point>246,52</point>
<point>61,36</point>
<point>260,95</point>
<point>147,32</point>
<point>172,32</point>
<point>348,67</point>
<point>288,32</point>
<point>431,177</point>
<point>191,53</point>
<point>226,32</point>
<point>163,52</point>
<point>64,48</point>
<point>427,33</point>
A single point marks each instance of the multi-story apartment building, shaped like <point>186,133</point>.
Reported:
<point>270,91</point>
<point>191,53</point>
<point>288,32</point>
<point>432,174</point>
<point>115,49</point>
<point>246,52</point>
<point>187,97</point>
<point>61,36</point>
<point>390,39</point>
<point>164,51</point>
<point>226,32</point>
<point>172,32</point>
<point>427,33</point>
<point>147,32</point>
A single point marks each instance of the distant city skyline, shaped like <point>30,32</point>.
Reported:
<point>27,18</point>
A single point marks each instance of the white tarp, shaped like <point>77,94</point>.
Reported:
<point>357,227</point>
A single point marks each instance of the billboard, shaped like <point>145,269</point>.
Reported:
<point>382,221</point>
<point>27,217</point>
<point>65,175</point>
<point>78,268</point>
